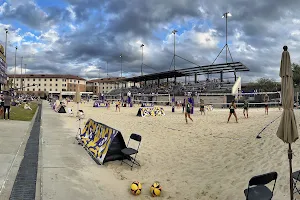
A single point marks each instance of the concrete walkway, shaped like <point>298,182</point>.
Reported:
<point>13,138</point>
<point>67,171</point>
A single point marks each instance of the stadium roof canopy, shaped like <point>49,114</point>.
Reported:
<point>199,70</point>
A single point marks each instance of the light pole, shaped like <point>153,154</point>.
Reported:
<point>6,32</point>
<point>121,56</point>
<point>226,15</point>
<point>25,65</point>
<point>142,46</point>
<point>15,67</point>
<point>21,73</point>
<point>173,99</point>
<point>174,32</point>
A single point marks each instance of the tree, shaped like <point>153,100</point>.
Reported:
<point>264,85</point>
<point>296,74</point>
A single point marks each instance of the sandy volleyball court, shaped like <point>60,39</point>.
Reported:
<point>205,159</point>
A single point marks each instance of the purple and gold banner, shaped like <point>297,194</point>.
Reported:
<point>3,75</point>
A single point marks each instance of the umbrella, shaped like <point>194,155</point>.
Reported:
<point>77,94</point>
<point>77,97</point>
<point>287,130</point>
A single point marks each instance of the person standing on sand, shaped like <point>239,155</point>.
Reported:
<point>246,107</point>
<point>118,104</point>
<point>266,100</point>
<point>232,108</point>
<point>7,102</point>
<point>202,106</point>
<point>187,111</point>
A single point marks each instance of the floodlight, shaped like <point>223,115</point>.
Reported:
<point>227,14</point>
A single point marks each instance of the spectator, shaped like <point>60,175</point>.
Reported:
<point>7,101</point>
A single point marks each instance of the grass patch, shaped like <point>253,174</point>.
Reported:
<point>20,114</point>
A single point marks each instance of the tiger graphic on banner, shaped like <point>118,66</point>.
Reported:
<point>150,111</point>
<point>97,138</point>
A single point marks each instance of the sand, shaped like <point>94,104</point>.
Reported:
<point>205,159</point>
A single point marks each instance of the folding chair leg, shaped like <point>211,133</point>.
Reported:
<point>122,160</point>
<point>295,187</point>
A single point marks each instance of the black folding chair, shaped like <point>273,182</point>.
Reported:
<point>259,191</point>
<point>296,178</point>
<point>128,152</point>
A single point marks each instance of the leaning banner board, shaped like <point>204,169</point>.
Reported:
<point>150,111</point>
<point>102,142</point>
<point>3,75</point>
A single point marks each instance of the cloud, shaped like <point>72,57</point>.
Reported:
<point>82,36</point>
<point>28,13</point>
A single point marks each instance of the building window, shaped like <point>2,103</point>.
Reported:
<point>55,84</point>
<point>28,79</point>
<point>39,79</point>
<point>17,79</point>
<point>95,88</point>
<point>70,81</point>
<point>27,89</point>
<point>23,79</point>
<point>106,87</point>
<point>45,85</point>
<point>39,89</point>
<point>55,89</point>
<point>33,89</point>
<point>39,84</point>
<point>45,89</point>
<point>50,89</point>
<point>34,79</point>
<point>103,88</point>
<point>110,87</point>
<point>50,84</point>
<point>45,79</point>
<point>56,79</point>
<point>28,85</point>
<point>17,84</point>
<point>50,79</point>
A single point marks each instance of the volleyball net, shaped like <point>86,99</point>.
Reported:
<point>112,97</point>
<point>164,99</point>
<point>254,99</point>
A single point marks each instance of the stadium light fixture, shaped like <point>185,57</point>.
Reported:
<point>227,14</point>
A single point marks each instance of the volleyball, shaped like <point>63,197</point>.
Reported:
<point>136,188</point>
<point>155,189</point>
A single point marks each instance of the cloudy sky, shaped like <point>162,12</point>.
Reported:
<point>81,36</point>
